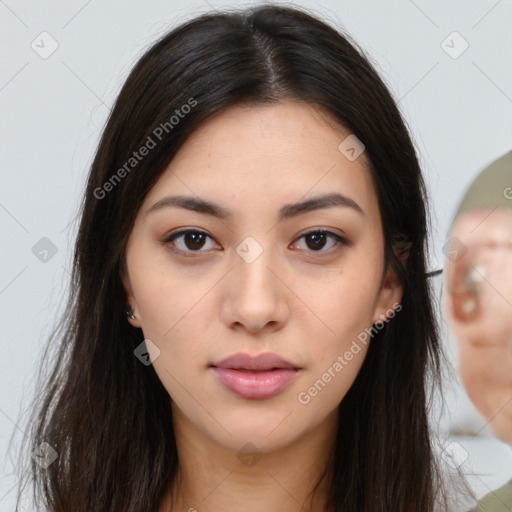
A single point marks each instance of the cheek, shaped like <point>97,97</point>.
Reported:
<point>343,306</point>
<point>176,317</point>
<point>177,324</point>
<point>168,299</point>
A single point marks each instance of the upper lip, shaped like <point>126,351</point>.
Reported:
<point>242,361</point>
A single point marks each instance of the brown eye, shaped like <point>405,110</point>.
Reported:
<point>190,241</point>
<point>316,240</point>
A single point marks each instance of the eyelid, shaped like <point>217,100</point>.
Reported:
<point>170,238</point>
<point>340,240</point>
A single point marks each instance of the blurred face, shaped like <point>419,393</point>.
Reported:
<point>478,307</point>
<point>479,277</point>
<point>254,287</point>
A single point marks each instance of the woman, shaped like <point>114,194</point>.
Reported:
<point>257,208</point>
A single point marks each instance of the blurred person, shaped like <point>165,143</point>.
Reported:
<point>478,303</point>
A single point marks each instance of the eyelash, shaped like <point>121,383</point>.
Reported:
<point>339,239</point>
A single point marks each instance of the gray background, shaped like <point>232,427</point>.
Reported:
<point>458,107</point>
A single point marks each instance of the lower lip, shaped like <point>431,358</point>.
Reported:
<point>255,385</point>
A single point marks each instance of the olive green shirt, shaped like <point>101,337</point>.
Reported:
<point>499,500</point>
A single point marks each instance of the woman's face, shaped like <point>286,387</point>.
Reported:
<point>249,279</point>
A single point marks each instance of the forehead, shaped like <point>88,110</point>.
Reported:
<point>281,152</point>
<point>486,224</point>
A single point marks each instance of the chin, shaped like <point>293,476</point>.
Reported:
<point>257,443</point>
<point>267,432</point>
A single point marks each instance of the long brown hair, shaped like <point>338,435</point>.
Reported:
<point>105,414</point>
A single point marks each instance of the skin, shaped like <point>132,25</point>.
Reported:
<point>481,317</point>
<point>305,301</point>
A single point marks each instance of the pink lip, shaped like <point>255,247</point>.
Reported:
<point>257,377</point>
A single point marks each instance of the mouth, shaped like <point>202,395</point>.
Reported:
<point>263,362</point>
<point>245,370</point>
<point>255,378</point>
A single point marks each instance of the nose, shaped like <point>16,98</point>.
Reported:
<point>257,295</point>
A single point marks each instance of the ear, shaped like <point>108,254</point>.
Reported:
<point>130,299</point>
<point>391,290</point>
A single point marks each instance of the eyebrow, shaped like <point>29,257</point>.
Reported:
<point>203,206</point>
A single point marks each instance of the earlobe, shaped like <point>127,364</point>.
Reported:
<point>391,292</point>
<point>132,317</point>
<point>390,297</point>
<point>130,312</point>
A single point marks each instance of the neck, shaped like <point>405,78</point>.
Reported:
<point>213,478</point>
